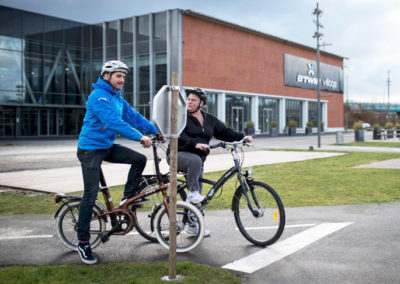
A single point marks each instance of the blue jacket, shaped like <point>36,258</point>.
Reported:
<point>107,114</point>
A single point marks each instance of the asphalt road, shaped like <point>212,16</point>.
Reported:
<point>365,251</point>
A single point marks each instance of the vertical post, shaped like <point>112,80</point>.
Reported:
<point>173,174</point>
<point>388,81</point>
<point>317,12</point>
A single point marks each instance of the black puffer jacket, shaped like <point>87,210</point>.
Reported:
<point>194,133</point>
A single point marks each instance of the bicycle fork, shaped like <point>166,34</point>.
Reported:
<point>247,187</point>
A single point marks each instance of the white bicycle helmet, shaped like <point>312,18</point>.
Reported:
<point>114,66</point>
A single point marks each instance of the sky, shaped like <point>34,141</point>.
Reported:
<point>367,32</point>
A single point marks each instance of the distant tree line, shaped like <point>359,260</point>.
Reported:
<point>354,113</point>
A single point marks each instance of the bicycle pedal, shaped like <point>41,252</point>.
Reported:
<point>105,238</point>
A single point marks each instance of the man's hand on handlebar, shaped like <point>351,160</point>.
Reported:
<point>145,141</point>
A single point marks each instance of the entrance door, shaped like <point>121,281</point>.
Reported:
<point>237,118</point>
<point>266,120</point>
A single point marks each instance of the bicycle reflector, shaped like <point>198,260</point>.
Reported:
<point>249,171</point>
<point>57,199</point>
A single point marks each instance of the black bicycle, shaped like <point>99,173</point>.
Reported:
<point>258,210</point>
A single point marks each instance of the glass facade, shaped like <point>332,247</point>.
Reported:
<point>313,113</point>
<point>294,112</point>
<point>212,104</point>
<point>238,112</point>
<point>47,67</point>
<point>268,111</point>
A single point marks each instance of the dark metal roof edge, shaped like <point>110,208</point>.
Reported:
<point>238,27</point>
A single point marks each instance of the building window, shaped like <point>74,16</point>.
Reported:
<point>160,61</point>
<point>268,111</point>
<point>313,113</point>
<point>212,104</point>
<point>294,112</point>
<point>237,112</point>
<point>127,56</point>
<point>111,40</point>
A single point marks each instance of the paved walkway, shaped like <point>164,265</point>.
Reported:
<point>69,179</point>
<point>52,166</point>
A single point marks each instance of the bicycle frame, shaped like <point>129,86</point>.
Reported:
<point>112,211</point>
<point>216,185</point>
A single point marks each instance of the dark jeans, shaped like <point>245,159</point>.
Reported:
<point>91,163</point>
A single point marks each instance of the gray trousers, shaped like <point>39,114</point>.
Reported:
<point>192,165</point>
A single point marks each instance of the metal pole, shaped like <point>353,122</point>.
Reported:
<point>173,179</point>
<point>317,35</point>
<point>388,83</point>
<point>347,102</point>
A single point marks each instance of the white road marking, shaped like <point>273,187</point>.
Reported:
<point>25,237</point>
<point>284,248</point>
<point>275,227</point>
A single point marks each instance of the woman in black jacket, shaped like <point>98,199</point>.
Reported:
<point>193,142</point>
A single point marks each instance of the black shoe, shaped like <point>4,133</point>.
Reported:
<point>85,252</point>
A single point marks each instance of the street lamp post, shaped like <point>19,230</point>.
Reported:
<point>317,12</point>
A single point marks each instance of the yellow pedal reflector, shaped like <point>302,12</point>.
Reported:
<point>275,215</point>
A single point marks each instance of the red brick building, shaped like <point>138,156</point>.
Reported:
<point>245,71</point>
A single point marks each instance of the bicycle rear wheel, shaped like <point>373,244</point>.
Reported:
<point>187,216</point>
<point>266,224</point>
<point>67,226</point>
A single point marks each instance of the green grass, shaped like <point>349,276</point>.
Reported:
<point>372,144</point>
<point>115,273</point>
<point>328,181</point>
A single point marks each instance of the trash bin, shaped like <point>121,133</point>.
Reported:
<point>339,138</point>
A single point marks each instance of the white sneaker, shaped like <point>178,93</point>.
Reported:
<point>193,230</point>
<point>195,197</point>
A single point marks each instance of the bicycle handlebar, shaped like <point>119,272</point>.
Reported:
<point>244,141</point>
<point>157,138</point>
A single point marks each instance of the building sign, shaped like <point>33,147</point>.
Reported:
<point>302,73</point>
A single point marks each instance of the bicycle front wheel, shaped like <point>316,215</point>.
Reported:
<point>264,224</point>
<point>145,213</point>
<point>189,227</point>
<point>67,226</point>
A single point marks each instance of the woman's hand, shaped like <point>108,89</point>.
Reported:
<point>202,147</point>
<point>249,138</point>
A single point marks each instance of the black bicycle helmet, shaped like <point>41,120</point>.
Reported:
<point>198,92</point>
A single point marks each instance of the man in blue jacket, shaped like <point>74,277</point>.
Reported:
<point>107,114</point>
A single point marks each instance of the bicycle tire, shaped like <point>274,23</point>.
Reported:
<point>145,214</point>
<point>267,228</point>
<point>187,215</point>
<point>67,224</point>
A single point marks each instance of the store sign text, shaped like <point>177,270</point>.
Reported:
<point>314,81</point>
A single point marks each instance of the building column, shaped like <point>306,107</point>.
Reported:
<point>119,39</point>
<point>221,107</point>
<point>282,115</point>
<point>135,65</point>
<point>304,114</point>
<point>254,112</point>
<point>324,115</point>
<point>151,64</point>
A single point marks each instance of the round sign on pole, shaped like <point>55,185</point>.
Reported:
<point>161,115</point>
